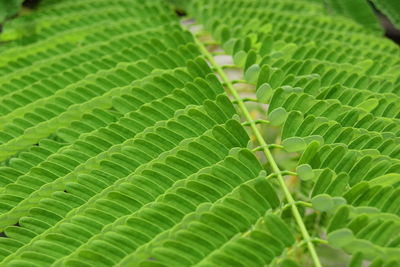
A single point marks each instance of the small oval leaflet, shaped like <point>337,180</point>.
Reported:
<point>251,74</point>
<point>278,116</point>
<point>310,152</point>
<point>323,202</point>
<point>240,58</point>
<point>385,180</point>
<point>314,138</point>
<point>305,172</point>
<point>369,104</point>
<point>340,238</point>
<point>225,34</point>
<point>264,93</point>
<point>251,59</point>
<point>338,201</point>
<point>228,46</point>
<point>294,144</point>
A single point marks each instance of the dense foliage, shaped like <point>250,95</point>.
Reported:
<point>124,141</point>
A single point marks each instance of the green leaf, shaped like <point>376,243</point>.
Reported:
<point>228,46</point>
<point>309,153</point>
<point>240,58</point>
<point>252,73</point>
<point>225,34</point>
<point>264,93</point>
<point>266,46</point>
<point>251,60</point>
<point>305,172</point>
<point>340,238</point>
<point>278,116</point>
<point>278,227</point>
<point>369,104</point>
<point>314,138</point>
<point>294,144</point>
<point>385,180</point>
<point>339,201</point>
<point>323,202</point>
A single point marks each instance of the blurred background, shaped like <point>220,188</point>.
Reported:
<point>390,30</point>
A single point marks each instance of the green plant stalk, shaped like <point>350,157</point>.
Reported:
<point>266,151</point>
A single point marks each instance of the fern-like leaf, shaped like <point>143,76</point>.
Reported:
<point>123,141</point>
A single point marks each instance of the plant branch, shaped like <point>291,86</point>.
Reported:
<point>267,152</point>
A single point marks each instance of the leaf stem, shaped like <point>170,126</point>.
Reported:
<point>230,66</point>
<point>299,203</point>
<point>247,123</point>
<point>261,141</point>
<point>271,146</point>
<point>314,240</point>
<point>230,82</point>
<point>246,99</point>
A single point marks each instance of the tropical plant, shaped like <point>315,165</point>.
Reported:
<point>125,140</point>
